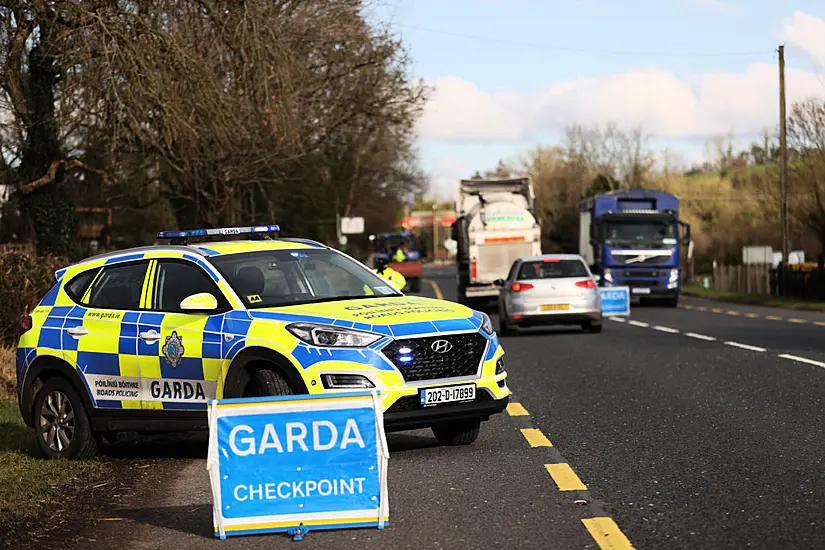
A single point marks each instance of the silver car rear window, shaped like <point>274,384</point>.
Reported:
<point>552,269</point>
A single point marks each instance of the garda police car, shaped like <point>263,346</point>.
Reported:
<point>141,339</point>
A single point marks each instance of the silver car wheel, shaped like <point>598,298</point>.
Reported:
<point>57,422</point>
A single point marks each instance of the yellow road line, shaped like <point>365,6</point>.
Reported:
<point>687,306</point>
<point>752,315</point>
<point>820,323</point>
<point>565,478</point>
<point>436,289</point>
<point>535,438</point>
<point>794,320</point>
<point>702,308</point>
<point>517,409</point>
<point>716,310</point>
<point>607,534</point>
<point>731,312</point>
<point>773,318</point>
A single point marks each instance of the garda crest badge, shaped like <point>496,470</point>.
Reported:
<point>173,349</point>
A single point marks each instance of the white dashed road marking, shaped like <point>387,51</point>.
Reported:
<point>666,329</point>
<point>802,360</point>
<point>637,323</point>
<point>700,336</point>
<point>617,319</point>
<point>744,346</point>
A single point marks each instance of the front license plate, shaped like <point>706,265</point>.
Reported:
<point>641,291</point>
<point>448,394</point>
<point>555,307</point>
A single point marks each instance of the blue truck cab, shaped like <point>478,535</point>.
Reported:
<point>633,238</point>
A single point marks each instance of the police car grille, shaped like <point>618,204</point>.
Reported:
<point>413,402</point>
<point>462,359</point>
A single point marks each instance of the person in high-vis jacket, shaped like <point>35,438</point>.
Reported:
<point>399,255</point>
<point>397,280</point>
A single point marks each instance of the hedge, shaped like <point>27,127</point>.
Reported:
<point>26,279</point>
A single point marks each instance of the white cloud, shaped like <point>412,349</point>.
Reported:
<point>805,33</point>
<point>665,105</point>
<point>444,174</point>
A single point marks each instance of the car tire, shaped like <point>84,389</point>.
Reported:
<point>460,433</point>
<point>505,328</point>
<point>592,327</point>
<point>265,383</point>
<point>62,426</point>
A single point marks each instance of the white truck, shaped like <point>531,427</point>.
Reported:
<point>495,224</point>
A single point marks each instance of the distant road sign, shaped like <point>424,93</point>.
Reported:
<point>615,300</point>
<point>352,226</point>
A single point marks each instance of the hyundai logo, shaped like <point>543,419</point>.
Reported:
<point>441,346</point>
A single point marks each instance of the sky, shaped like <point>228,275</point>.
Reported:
<point>509,75</point>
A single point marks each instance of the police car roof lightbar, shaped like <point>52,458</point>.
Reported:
<point>185,235</point>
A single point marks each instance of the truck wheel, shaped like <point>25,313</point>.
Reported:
<point>265,383</point>
<point>672,302</point>
<point>460,433</point>
<point>61,425</point>
<point>415,285</point>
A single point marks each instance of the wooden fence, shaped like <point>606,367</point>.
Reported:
<point>751,279</point>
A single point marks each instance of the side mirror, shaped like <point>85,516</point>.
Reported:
<point>203,301</point>
<point>499,283</point>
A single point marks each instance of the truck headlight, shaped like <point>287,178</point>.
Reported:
<point>674,276</point>
<point>608,276</point>
<point>332,337</point>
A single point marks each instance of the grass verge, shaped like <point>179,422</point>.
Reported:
<point>35,494</point>
<point>752,299</point>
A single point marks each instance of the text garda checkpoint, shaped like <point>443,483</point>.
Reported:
<point>298,463</point>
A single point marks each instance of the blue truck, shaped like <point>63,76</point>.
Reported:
<point>633,238</point>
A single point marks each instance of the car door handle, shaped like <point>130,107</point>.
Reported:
<point>149,336</point>
<point>77,332</point>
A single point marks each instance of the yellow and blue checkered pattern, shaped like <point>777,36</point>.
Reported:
<point>113,346</point>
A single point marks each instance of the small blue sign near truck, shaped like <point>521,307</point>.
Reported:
<point>297,463</point>
<point>615,300</point>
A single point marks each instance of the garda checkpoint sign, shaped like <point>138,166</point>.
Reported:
<point>297,463</point>
<point>615,300</point>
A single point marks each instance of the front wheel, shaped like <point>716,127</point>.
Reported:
<point>62,427</point>
<point>460,433</point>
<point>672,302</point>
<point>266,383</point>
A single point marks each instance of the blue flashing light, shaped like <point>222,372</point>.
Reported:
<point>405,358</point>
<point>218,231</point>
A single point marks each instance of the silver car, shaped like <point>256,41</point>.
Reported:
<point>551,289</point>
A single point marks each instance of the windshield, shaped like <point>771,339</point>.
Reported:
<point>652,234</point>
<point>552,269</point>
<point>390,243</point>
<point>275,278</point>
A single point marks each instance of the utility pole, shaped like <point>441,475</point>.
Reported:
<point>783,159</point>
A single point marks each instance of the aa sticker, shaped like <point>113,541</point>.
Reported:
<point>254,299</point>
<point>384,290</point>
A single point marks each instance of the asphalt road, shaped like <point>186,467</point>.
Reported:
<point>694,427</point>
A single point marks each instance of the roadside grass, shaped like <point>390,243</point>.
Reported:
<point>752,299</point>
<point>33,491</point>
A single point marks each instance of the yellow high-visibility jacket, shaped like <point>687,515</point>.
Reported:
<point>395,278</point>
<point>399,256</point>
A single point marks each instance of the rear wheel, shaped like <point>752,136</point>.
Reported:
<point>459,433</point>
<point>505,327</point>
<point>61,425</point>
<point>415,285</point>
<point>592,327</point>
<point>265,383</point>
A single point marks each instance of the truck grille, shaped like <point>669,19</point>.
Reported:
<point>640,284</point>
<point>462,359</point>
<point>642,273</point>
<point>650,260</point>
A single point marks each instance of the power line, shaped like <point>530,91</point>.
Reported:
<point>569,49</point>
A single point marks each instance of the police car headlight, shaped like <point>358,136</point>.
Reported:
<point>332,337</point>
<point>486,324</point>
